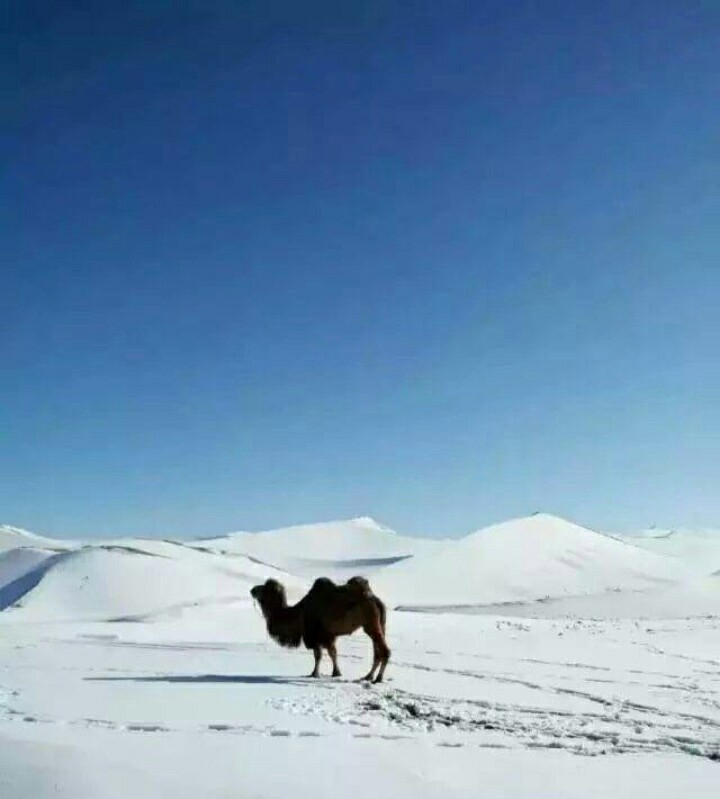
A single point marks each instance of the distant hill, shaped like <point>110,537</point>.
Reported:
<point>12,537</point>
<point>536,557</point>
<point>331,548</point>
<point>699,549</point>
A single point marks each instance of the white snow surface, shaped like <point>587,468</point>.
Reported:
<point>553,662</point>
<point>333,548</point>
<point>361,537</point>
<point>698,549</point>
<point>532,558</point>
<point>120,582</point>
<point>12,537</point>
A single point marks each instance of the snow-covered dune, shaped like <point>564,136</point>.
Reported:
<point>695,598</point>
<point>141,577</point>
<point>330,548</point>
<point>12,537</point>
<point>21,569</point>
<point>698,549</point>
<point>520,561</point>
<point>120,582</point>
<point>524,559</point>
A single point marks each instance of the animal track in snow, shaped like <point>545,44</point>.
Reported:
<point>537,728</point>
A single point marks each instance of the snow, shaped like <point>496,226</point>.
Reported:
<point>12,537</point>
<point>698,549</point>
<point>531,558</point>
<point>141,668</point>
<point>129,580</point>
<point>360,538</point>
<point>21,570</point>
<point>337,548</point>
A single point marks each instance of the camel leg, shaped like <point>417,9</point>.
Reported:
<point>332,651</point>
<point>317,651</point>
<point>381,651</point>
<point>376,658</point>
<point>384,655</point>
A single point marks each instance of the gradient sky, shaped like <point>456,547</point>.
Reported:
<point>438,263</point>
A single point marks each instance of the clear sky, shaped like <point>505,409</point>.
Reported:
<point>438,263</point>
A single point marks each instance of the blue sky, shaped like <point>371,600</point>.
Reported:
<point>440,264</point>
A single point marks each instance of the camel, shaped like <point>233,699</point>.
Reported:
<point>326,612</point>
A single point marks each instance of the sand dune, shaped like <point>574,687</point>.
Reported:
<point>525,559</point>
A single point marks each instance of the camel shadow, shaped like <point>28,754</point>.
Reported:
<point>241,679</point>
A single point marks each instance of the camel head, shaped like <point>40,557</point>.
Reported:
<point>271,595</point>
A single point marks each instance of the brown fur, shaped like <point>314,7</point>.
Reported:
<point>326,612</point>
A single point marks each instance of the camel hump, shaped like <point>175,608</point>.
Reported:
<point>323,589</point>
<point>323,584</point>
<point>359,586</point>
<point>356,589</point>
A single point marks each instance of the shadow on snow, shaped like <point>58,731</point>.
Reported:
<point>243,679</point>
